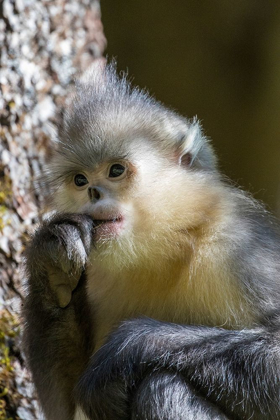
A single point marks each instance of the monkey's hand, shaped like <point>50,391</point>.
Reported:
<point>58,253</point>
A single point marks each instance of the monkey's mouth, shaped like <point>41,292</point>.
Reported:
<point>108,227</point>
<point>104,221</point>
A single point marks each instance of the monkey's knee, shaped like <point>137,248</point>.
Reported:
<point>167,396</point>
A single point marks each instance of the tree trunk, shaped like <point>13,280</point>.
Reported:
<point>44,44</point>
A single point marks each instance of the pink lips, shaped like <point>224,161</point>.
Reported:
<point>107,228</point>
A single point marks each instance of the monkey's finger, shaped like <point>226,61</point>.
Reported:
<point>74,255</point>
<point>58,277</point>
<point>62,286</point>
<point>64,295</point>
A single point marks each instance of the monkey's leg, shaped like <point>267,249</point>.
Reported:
<point>161,395</point>
<point>236,371</point>
<point>57,340</point>
<point>167,396</point>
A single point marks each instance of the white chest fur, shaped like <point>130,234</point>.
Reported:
<point>177,293</point>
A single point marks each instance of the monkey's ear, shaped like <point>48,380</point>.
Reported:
<point>194,149</point>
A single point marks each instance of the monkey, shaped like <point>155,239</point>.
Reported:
<point>154,287</point>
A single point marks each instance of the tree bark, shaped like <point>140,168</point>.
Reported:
<point>44,45</point>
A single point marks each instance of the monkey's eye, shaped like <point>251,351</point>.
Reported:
<point>80,180</point>
<point>116,170</point>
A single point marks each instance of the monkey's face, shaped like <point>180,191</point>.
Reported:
<point>145,202</point>
<point>146,175</point>
<point>103,194</point>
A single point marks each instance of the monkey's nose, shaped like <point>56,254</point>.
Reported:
<point>95,193</point>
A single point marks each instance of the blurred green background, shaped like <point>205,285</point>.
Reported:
<point>217,59</point>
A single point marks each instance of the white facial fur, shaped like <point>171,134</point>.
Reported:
<point>160,201</point>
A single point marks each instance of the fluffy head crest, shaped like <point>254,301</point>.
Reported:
<point>107,113</point>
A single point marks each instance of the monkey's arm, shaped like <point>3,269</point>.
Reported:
<point>148,365</point>
<point>55,337</point>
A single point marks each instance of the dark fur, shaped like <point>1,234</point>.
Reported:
<point>151,370</point>
<point>58,342</point>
